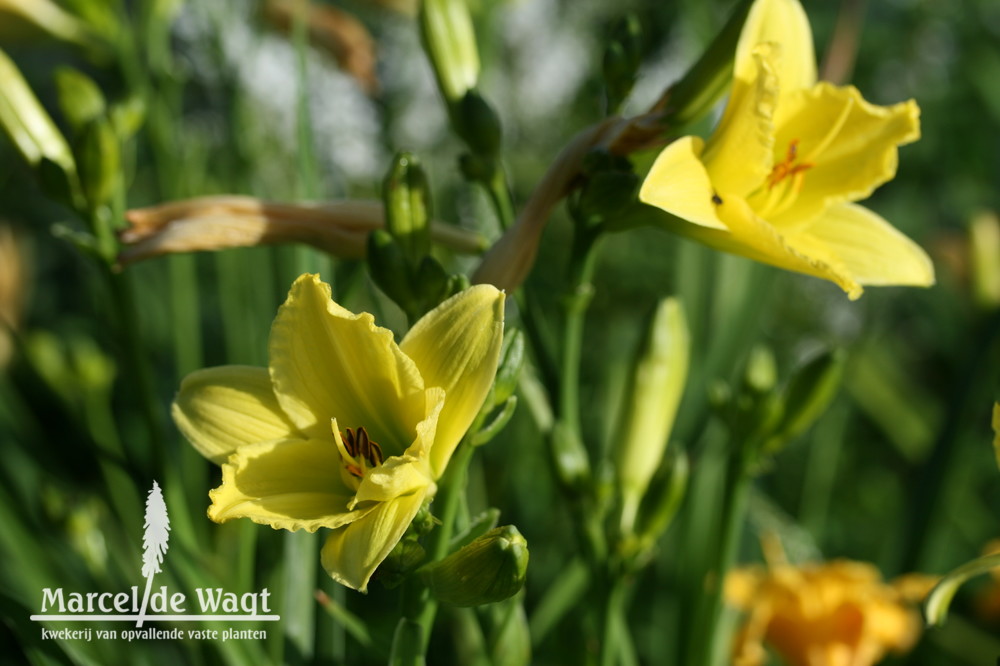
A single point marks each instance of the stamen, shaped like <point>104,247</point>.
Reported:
<point>358,452</point>
<point>788,167</point>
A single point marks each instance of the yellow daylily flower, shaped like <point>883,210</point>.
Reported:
<point>344,429</point>
<point>777,179</point>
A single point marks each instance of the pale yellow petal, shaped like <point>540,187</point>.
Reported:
<point>327,362</point>
<point>397,476</point>
<point>767,244</point>
<point>739,154</point>
<point>289,484</point>
<point>850,145</point>
<point>220,409</point>
<point>353,552</point>
<point>456,346</point>
<point>679,184</point>
<point>783,23</point>
<point>870,249</point>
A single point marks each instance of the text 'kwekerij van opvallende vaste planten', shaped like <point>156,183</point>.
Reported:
<point>696,303</point>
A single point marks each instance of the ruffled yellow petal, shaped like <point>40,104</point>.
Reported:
<point>679,184</point>
<point>783,23</point>
<point>288,484</point>
<point>850,144</point>
<point>456,346</point>
<point>220,409</point>
<point>327,362</point>
<point>739,155</point>
<point>767,244</point>
<point>870,249</point>
<point>353,552</point>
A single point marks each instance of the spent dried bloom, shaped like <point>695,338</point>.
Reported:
<point>12,290</point>
<point>335,31</point>
<point>219,222</point>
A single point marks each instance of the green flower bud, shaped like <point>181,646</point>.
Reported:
<point>809,393</point>
<point>984,246</point>
<point>389,270</point>
<point>29,126</point>
<point>569,456</point>
<point>478,125</point>
<point>761,373</point>
<point>80,99</point>
<point>709,78</point>
<point>450,41</point>
<point>491,568</point>
<point>98,155</point>
<point>657,386</point>
<point>509,371</point>
<point>407,206</point>
<point>659,506</point>
<point>622,58</point>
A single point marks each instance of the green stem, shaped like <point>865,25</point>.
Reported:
<point>709,612</point>
<point>499,193</point>
<point>419,607</point>
<point>581,291</point>
<point>613,620</point>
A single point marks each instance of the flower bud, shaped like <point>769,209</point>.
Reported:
<point>657,386</point>
<point>984,242</point>
<point>99,157</point>
<point>491,568</point>
<point>509,371</point>
<point>622,57</point>
<point>407,206</point>
<point>389,270</point>
<point>809,393</point>
<point>80,99</point>
<point>478,125</point>
<point>22,21</point>
<point>28,124</point>
<point>450,41</point>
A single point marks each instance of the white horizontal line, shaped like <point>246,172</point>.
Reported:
<point>157,618</point>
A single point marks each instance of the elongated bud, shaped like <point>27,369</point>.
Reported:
<point>407,206</point>
<point>708,79</point>
<point>27,123</point>
<point>25,21</point>
<point>511,361</point>
<point>450,41</point>
<point>622,57</point>
<point>491,568</point>
<point>657,387</point>
<point>98,155</point>
<point>984,242</point>
<point>660,503</point>
<point>389,270</point>
<point>809,393</point>
<point>80,99</point>
<point>569,457</point>
<point>478,125</point>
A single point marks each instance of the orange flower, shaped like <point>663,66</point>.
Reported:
<point>838,613</point>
